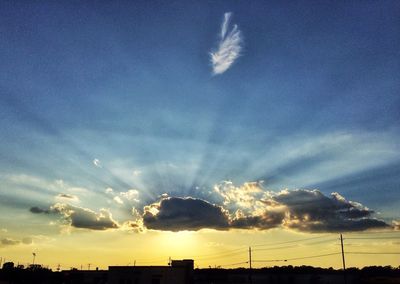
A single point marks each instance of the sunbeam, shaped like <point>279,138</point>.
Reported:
<point>140,131</point>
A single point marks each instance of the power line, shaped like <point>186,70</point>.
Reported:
<point>365,252</point>
<point>297,258</point>
<point>241,250</point>
<point>296,245</point>
<point>234,264</point>
<point>321,242</point>
<point>270,260</point>
<point>374,232</point>
<point>373,238</point>
<point>314,256</point>
<point>292,241</point>
<point>275,248</point>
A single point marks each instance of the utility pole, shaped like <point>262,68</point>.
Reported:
<point>89,266</point>
<point>344,263</point>
<point>34,256</point>
<point>250,268</point>
<point>250,257</point>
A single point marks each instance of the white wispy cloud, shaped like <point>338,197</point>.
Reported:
<point>229,46</point>
<point>97,163</point>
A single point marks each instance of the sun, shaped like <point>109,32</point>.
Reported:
<point>179,244</point>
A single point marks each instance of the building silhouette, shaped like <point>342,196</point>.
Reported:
<point>183,272</point>
<point>179,272</point>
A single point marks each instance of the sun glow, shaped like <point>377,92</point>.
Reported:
<point>181,244</point>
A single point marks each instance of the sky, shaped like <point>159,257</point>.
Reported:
<point>135,131</point>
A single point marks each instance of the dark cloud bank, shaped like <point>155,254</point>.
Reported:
<point>302,210</point>
<point>176,214</point>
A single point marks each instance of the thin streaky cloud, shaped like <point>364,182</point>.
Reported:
<point>225,23</point>
<point>229,46</point>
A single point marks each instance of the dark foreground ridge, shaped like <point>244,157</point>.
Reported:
<point>183,272</point>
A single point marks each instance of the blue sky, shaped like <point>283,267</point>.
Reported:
<point>312,102</point>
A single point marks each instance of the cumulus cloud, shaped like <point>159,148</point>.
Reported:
<point>134,226</point>
<point>177,214</point>
<point>396,225</point>
<point>311,210</point>
<point>247,197</point>
<point>118,200</point>
<point>79,217</point>
<point>251,207</point>
<point>229,46</point>
<point>129,197</point>
<point>248,206</point>
<point>304,210</point>
<point>84,218</point>
<point>267,220</point>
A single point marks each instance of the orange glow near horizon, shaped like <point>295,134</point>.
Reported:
<point>207,247</point>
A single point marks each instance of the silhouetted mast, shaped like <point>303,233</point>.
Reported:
<point>344,263</point>
<point>250,279</point>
